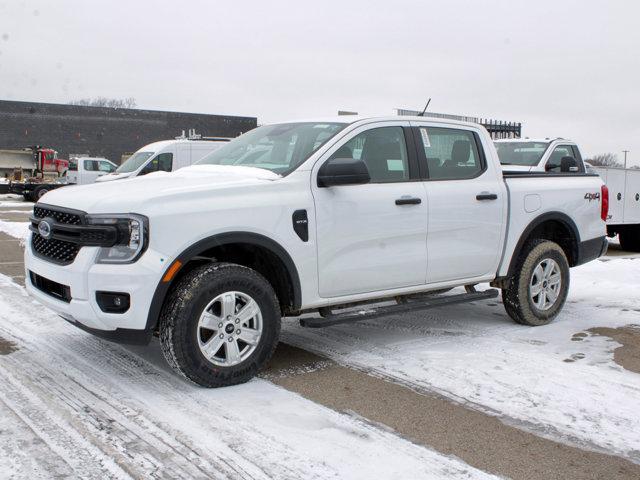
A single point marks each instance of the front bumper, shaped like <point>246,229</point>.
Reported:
<point>84,278</point>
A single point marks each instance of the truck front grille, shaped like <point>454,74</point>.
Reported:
<point>57,251</point>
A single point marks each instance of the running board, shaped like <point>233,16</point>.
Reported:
<point>369,312</point>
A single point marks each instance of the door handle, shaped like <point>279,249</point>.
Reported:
<point>408,201</point>
<point>486,196</point>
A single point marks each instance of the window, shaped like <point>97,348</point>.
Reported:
<point>91,165</point>
<point>106,167</point>
<point>162,162</point>
<point>521,153</point>
<point>73,166</point>
<point>561,151</point>
<point>279,148</point>
<point>451,154</point>
<point>384,152</point>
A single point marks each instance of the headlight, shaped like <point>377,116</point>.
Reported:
<point>133,237</point>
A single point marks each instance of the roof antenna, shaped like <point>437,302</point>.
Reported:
<point>425,108</point>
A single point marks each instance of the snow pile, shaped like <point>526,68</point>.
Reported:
<point>543,379</point>
<point>87,408</point>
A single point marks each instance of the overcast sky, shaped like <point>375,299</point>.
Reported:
<point>561,67</point>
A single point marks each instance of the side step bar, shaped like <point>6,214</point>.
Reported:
<point>369,312</point>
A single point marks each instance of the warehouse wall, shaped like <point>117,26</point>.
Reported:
<point>104,132</point>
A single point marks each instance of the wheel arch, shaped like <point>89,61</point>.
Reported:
<point>256,251</point>
<point>555,226</point>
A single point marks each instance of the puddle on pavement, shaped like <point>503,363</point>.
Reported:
<point>7,347</point>
<point>627,355</point>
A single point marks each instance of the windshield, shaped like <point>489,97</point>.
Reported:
<point>134,162</point>
<point>279,148</point>
<point>521,153</point>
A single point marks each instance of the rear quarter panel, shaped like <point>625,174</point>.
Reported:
<point>532,197</point>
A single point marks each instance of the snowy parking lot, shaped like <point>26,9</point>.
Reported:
<point>74,405</point>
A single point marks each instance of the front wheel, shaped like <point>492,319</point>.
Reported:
<point>220,325</point>
<point>539,287</point>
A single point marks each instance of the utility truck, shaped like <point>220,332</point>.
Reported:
<point>560,154</point>
<point>331,221</point>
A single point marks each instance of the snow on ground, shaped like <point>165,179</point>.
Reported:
<point>19,230</point>
<point>542,379</point>
<point>12,200</point>
<point>71,404</point>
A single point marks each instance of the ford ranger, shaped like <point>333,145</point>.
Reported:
<point>331,220</point>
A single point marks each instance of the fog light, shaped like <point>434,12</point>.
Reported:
<point>113,302</point>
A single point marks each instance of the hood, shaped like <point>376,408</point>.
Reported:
<point>113,176</point>
<point>130,195</point>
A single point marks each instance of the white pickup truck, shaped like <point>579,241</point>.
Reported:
<point>548,155</point>
<point>309,219</point>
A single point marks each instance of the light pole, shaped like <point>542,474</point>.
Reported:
<point>625,157</point>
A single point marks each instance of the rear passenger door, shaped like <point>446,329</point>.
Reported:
<point>466,202</point>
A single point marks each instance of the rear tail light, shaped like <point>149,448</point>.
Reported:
<point>604,205</point>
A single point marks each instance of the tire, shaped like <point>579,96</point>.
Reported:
<point>207,290</point>
<point>38,193</point>
<point>520,299</point>
<point>630,238</point>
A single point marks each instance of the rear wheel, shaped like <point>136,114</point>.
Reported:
<point>539,287</point>
<point>221,325</point>
<point>630,238</point>
<point>38,193</point>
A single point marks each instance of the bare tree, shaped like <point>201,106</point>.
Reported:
<point>105,102</point>
<point>604,160</point>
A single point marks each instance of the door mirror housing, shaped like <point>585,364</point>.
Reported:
<point>568,165</point>
<point>343,171</point>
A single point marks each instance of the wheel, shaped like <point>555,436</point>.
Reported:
<point>39,192</point>
<point>540,284</point>
<point>27,197</point>
<point>220,325</point>
<point>630,238</point>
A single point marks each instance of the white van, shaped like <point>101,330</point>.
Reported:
<point>166,155</point>
<point>86,170</point>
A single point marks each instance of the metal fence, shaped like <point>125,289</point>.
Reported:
<point>496,128</point>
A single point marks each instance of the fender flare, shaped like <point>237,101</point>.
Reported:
<point>226,238</point>
<point>536,222</point>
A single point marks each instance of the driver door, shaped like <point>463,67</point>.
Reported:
<point>372,237</point>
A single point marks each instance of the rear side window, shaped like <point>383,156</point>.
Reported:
<point>91,165</point>
<point>73,166</point>
<point>383,150</point>
<point>106,167</point>
<point>561,151</point>
<point>451,154</point>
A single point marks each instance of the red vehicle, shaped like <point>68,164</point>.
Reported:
<point>44,174</point>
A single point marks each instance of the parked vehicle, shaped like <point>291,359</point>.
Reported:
<point>548,156</point>
<point>35,177</point>
<point>85,170</point>
<point>165,156</point>
<point>32,160</point>
<point>371,213</point>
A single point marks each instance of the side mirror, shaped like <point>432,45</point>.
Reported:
<point>568,164</point>
<point>343,171</point>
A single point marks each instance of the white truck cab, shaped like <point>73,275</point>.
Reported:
<point>164,156</point>
<point>540,155</point>
<point>84,170</point>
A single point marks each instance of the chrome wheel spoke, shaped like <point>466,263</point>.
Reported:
<point>232,352</point>
<point>249,336</point>
<point>535,289</point>
<point>555,279</point>
<point>228,304</point>
<point>249,311</point>
<point>210,321</point>
<point>210,348</point>
<point>552,295</point>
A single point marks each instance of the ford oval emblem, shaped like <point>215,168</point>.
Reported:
<point>44,229</point>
